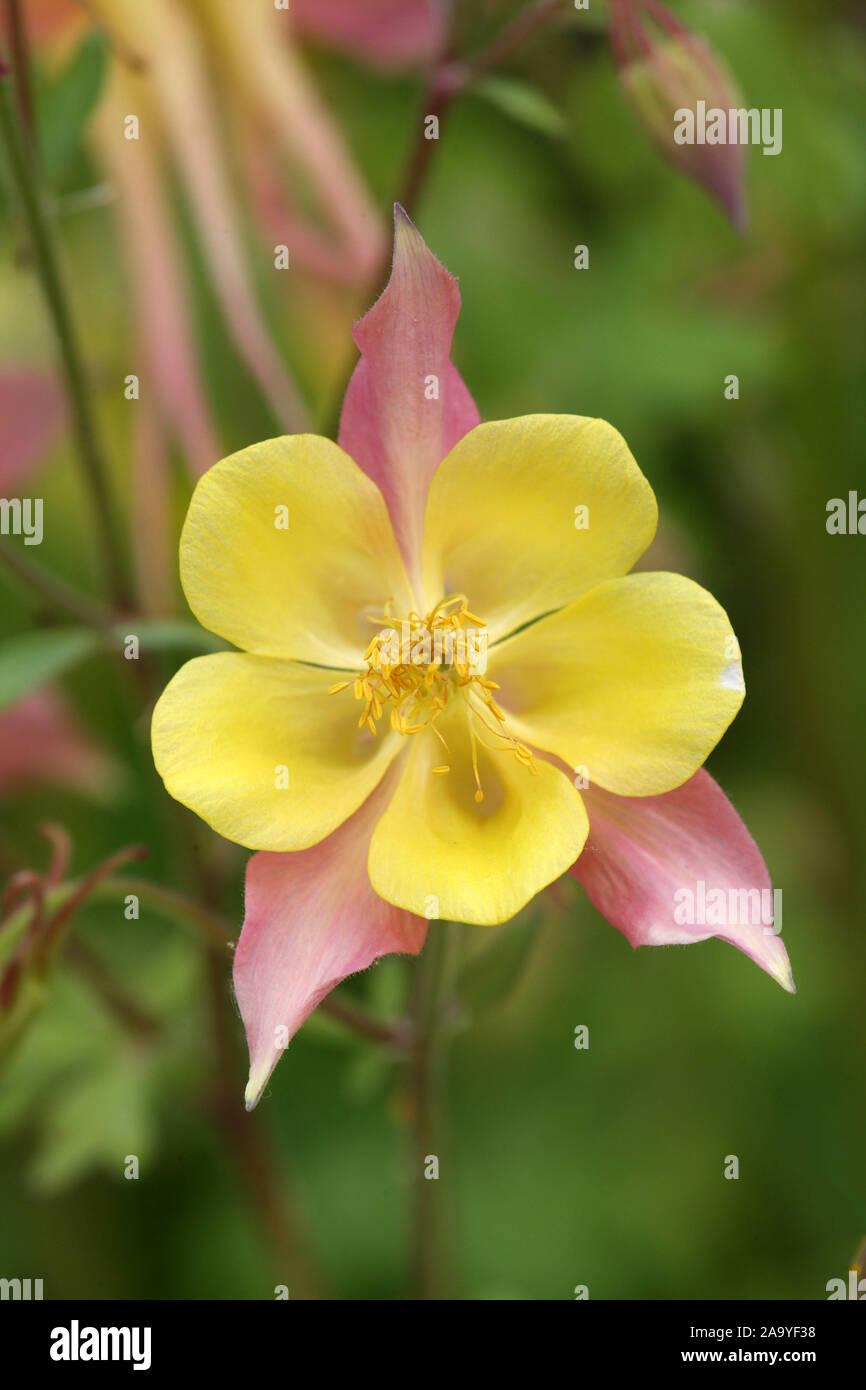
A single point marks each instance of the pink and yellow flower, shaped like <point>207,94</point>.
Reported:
<point>381,791</point>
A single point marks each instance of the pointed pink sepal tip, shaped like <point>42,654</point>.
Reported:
<point>647,858</point>
<point>312,918</point>
<point>407,405</point>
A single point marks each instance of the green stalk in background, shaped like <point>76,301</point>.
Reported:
<point>26,183</point>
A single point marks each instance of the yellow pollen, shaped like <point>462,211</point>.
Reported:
<point>416,666</point>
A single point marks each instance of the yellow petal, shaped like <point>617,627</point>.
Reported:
<point>260,751</point>
<point>635,682</point>
<point>287,545</point>
<point>439,853</point>
<point>503,525</point>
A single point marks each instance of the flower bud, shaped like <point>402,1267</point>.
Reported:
<point>668,75</point>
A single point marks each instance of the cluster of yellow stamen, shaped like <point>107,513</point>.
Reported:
<point>418,666</point>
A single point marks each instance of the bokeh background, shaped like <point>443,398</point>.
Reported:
<point>601,1167</point>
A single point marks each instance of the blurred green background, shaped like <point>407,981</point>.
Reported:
<point>601,1167</point>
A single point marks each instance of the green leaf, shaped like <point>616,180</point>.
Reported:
<point>66,103</point>
<point>32,658</point>
<point>95,1121</point>
<point>523,104</point>
<point>30,996</point>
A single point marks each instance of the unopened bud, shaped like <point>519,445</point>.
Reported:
<point>673,79</point>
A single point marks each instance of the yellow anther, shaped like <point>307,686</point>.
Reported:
<point>417,666</point>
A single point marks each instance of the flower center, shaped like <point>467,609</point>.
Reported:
<point>417,668</point>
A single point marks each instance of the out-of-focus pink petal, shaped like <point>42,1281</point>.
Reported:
<point>645,855</point>
<point>50,19</point>
<point>41,742</point>
<point>270,81</point>
<point>172,376</point>
<point>157,279</point>
<point>312,918</point>
<point>389,33</point>
<point>310,248</point>
<point>192,123</point>
<point>407,404</point>
<point>175,77</point>
<point>31,408</point>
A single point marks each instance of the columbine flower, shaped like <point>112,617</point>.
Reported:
<point>382,790</point>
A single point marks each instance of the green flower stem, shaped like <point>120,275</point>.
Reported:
<point>429,1258</point>
<point>26,183</point>
<point>58,594</point>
